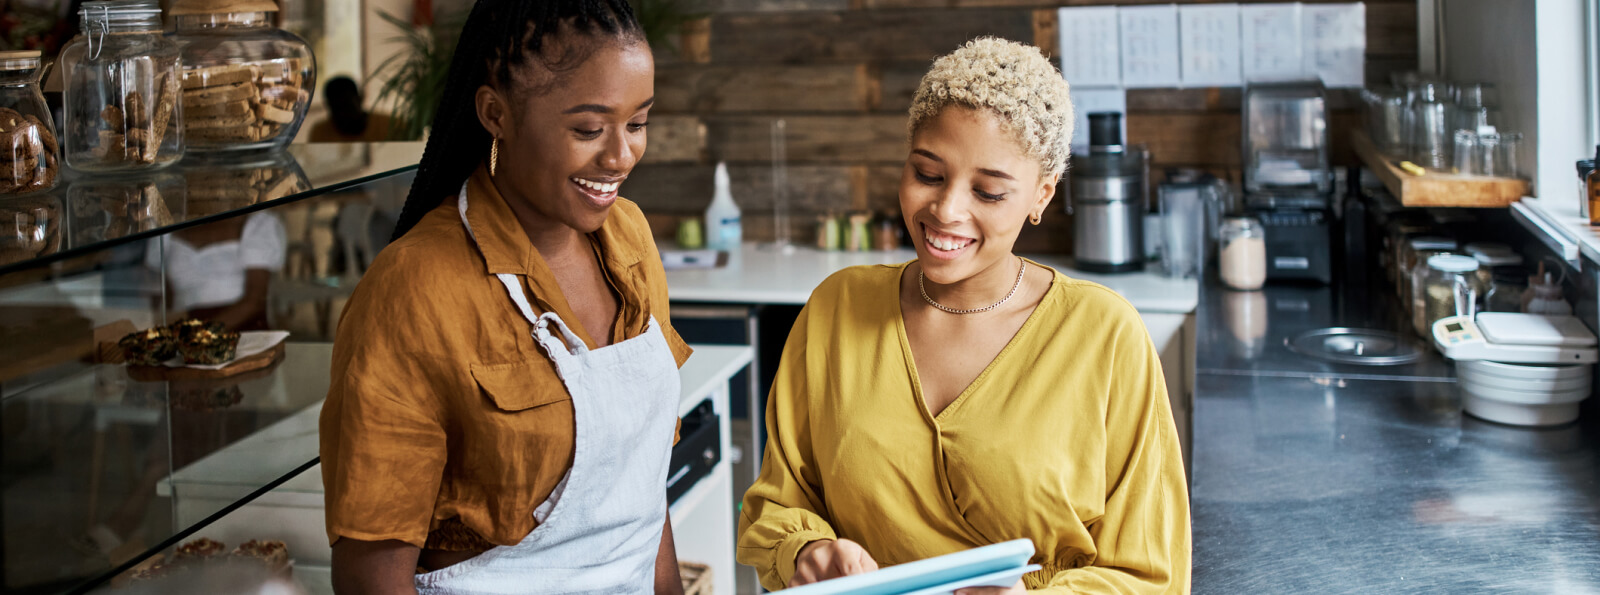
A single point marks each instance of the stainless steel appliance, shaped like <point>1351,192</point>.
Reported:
<point>1288,182</point>
<point>1107,200</point>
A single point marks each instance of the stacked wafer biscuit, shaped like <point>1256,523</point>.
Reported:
<point>135,130</point>
<point>214,191</point>
<point>32,151</point>
<point>240,102</point>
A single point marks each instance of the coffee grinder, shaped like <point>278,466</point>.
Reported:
<point>1288,183</point>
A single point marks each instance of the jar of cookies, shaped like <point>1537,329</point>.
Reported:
<point>27,132</point>
<point>122,85</point>
<point>246,83</point>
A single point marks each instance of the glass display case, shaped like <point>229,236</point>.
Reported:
<point>95,450</point>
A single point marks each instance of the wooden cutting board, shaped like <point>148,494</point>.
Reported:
<point>259,361</point>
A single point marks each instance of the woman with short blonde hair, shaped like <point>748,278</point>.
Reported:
<point>971,396</point>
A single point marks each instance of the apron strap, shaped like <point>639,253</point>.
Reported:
<point>553,346</point>
<point>541,323</point>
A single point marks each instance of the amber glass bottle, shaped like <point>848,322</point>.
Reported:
<point>1592,186</point>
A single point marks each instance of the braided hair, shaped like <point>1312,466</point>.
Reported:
<point>498,36</point>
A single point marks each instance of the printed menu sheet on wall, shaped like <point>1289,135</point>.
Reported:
<point>1087,39</point>
<point>1149,46</point>
<point>1212,45</point>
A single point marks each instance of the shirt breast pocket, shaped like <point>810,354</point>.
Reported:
<point>520,386</point>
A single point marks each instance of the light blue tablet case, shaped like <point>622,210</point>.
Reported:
<point>996,565</point>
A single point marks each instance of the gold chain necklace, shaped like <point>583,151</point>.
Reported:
<point>1023,266</point>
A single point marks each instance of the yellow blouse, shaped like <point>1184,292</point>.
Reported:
<point>1066,439</point>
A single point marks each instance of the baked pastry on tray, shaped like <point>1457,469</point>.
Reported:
<point>149,347</point>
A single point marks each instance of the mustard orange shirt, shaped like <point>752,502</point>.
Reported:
<point>446,424</point>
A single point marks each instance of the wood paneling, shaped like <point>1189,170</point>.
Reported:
<point>675,139</point>
<point>1208,138</point>
<point>842,73</point>
<point>687,188</point>
<point>766,88</point>
<point>812,37</point>
<point>814,139</point>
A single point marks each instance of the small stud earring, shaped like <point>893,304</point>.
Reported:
<point>494,155</point>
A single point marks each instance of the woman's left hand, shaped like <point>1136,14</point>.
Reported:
<point>1012,590</point>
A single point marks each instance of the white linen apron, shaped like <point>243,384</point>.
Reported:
<point>600,529</point>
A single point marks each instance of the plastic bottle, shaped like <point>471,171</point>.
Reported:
<point>723,228</point>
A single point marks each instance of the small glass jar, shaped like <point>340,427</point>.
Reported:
<point>123,90</point>
<point>27,132</point>
<point>246,84</point>
<point>30,227</point>
<point>1431,130</point>
<point>1506,286</point>
<point>1465,154</point>
<point>1242,259</point>
<point>1491,262</point>
<point>1447,288</point>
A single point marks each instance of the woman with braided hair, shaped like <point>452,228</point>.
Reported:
<point>505,378</point>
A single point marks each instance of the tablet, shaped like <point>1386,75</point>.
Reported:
<point>976,567</point>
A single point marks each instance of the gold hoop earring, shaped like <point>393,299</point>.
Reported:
<point>1035,218</point>
<point>494,155</point>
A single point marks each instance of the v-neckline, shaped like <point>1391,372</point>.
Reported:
<point>911,358</point>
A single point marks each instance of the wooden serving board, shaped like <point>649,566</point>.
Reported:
<point>255,362</point>
<point>1437,189</point>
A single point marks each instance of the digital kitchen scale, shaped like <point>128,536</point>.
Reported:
<point>1519,369</point>
<point>1515,338</point>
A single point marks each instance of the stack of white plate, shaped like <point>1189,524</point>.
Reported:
<point>1523,394</point>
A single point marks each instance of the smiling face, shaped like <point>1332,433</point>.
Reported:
<point>967,190</point>
<point>565,151</point>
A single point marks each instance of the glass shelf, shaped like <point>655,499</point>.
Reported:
<point>85,214</point>
<point>102,468</point>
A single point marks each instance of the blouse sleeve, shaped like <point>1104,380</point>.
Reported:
<point>382,428</point>
<point>1143,542</point>
<point>784,510</point>
<point>263,242</point>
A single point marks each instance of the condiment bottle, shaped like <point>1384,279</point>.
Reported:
<point>886,234</point>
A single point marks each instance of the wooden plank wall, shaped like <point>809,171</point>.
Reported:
<point>841,74</point>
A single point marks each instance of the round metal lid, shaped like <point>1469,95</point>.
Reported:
<point>1368,347</point>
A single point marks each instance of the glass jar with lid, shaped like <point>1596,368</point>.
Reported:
<point>1414,259</point>
<point>122,90</point>
<point>1447,288</point>
<point>27,132</point>
<point>1242,260</point>
<point>1506,286</point>
<point>246,83</point>
<point>1490,264</point>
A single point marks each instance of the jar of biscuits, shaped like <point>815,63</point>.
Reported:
<point>246,83</point>
<point>122,83</point>
<point>27,132</point>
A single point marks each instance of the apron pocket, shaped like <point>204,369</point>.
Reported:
<point>512,386</point>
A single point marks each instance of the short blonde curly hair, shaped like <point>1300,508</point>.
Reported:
<point>1013,80</point>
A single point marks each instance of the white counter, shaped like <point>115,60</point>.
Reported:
<point>764,275</point>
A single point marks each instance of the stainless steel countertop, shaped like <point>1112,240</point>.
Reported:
<point>1321,478</point>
